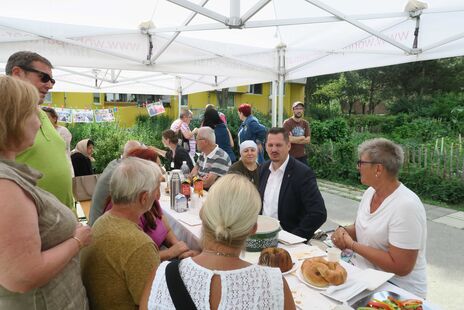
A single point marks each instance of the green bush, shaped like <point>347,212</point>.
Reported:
<point>421,130</point>
<point>334,161</point>
<point>432,186</point>
<point>109,138</point>
<point>330,130</point>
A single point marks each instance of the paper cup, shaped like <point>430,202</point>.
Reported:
<point>334,254</point>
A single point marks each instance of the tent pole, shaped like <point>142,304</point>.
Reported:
<point>281,99</point>
<point>234,19</point>
<point>179,96</point>
<point>360,25</point>
<point>281,53</point>
<point>177,33</point>
<point>274,103</point>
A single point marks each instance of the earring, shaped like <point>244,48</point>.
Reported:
<point>376,175</point>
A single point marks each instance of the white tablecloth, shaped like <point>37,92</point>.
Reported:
<point>304,296</point>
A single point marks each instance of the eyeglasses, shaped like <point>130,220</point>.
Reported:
<point>361,162</point>
<point>44,77</point>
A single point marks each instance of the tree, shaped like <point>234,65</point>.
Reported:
<point>222,97</point>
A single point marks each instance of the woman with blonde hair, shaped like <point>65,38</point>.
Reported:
<point>217,278</point>
<point>40,239</point>
<point>390,231</point>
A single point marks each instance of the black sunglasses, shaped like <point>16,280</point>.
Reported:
<point>44,77</point>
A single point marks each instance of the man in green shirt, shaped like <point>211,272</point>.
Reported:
<point>48,154</point>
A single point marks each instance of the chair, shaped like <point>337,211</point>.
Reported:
<point>83,188</point>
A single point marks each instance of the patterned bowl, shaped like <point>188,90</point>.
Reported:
<point>266,234</point>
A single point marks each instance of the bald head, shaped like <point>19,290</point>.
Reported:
<point>129,146</point>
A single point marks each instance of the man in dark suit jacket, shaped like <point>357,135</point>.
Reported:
<point>289,189</point>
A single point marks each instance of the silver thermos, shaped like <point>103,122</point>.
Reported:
<point>174,184</point>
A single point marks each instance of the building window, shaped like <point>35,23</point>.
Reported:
<point>184,102</point>
<point>230,100</point>
<point>116,97</point>
<point>256,89</point>
<point>96,98</point>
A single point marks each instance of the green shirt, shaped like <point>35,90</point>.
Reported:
<point>118,263</point>
<point>48,155</point>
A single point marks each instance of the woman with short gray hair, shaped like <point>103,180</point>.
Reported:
<point>117,264</point>
<point>390,231</point>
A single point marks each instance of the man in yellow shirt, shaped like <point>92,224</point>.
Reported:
<point>48,154</point>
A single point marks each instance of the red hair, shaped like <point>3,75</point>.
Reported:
<point>148,153</point>
<point>245,108</point>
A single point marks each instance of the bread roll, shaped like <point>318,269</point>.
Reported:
<point>321,273</point>
<point>276,257</point>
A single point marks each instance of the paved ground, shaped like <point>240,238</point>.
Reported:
<point>445,247</point>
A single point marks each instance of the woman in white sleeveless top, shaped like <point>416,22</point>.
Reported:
<point>217,278</point>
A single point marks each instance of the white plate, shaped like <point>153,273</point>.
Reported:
<point>289,238</point>
<point>295,266</point>
<point>302,279</point>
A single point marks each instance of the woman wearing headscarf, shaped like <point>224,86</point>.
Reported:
<point>81,158</point>
<point>247,164</point>
<point>390,231</point>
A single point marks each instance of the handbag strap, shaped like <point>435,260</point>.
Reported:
<point>179,294</point>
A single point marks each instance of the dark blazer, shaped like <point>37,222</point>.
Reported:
<point>301,209</point>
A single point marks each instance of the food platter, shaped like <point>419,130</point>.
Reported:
<point>381,296</point>
<point>300,277</point>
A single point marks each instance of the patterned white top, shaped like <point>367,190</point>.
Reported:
<point>252,287</point>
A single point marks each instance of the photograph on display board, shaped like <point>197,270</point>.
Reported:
<point>64,115</point>
<point>104,115</point>
<point>155,108</point>
<point>83,116</point>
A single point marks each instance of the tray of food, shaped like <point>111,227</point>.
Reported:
<point>388,300</point>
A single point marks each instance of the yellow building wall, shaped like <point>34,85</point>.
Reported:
<point>259,102</point>
<point>72,100</point>
<point>296,93</point>
<point>126,114</point>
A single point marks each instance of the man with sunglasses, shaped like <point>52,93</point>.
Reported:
<point>48,154</point>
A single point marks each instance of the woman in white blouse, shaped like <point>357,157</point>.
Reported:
<point>217,278</point>
<point>390,231</point>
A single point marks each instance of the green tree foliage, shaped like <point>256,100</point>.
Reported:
<point>404,88</point>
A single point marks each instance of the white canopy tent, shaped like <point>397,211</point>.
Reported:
<point>185,47</point>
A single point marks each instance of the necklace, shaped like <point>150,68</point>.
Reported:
<point>221,253</point>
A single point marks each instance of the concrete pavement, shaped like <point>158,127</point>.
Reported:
<point>445,248</point>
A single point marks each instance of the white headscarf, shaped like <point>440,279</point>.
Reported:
<point>246,144</point>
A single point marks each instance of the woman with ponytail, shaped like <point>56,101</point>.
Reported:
<point>217,278</point>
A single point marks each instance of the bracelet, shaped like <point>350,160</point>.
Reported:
<point>79,242</point>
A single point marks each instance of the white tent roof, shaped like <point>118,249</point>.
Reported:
<point>97,45</point>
